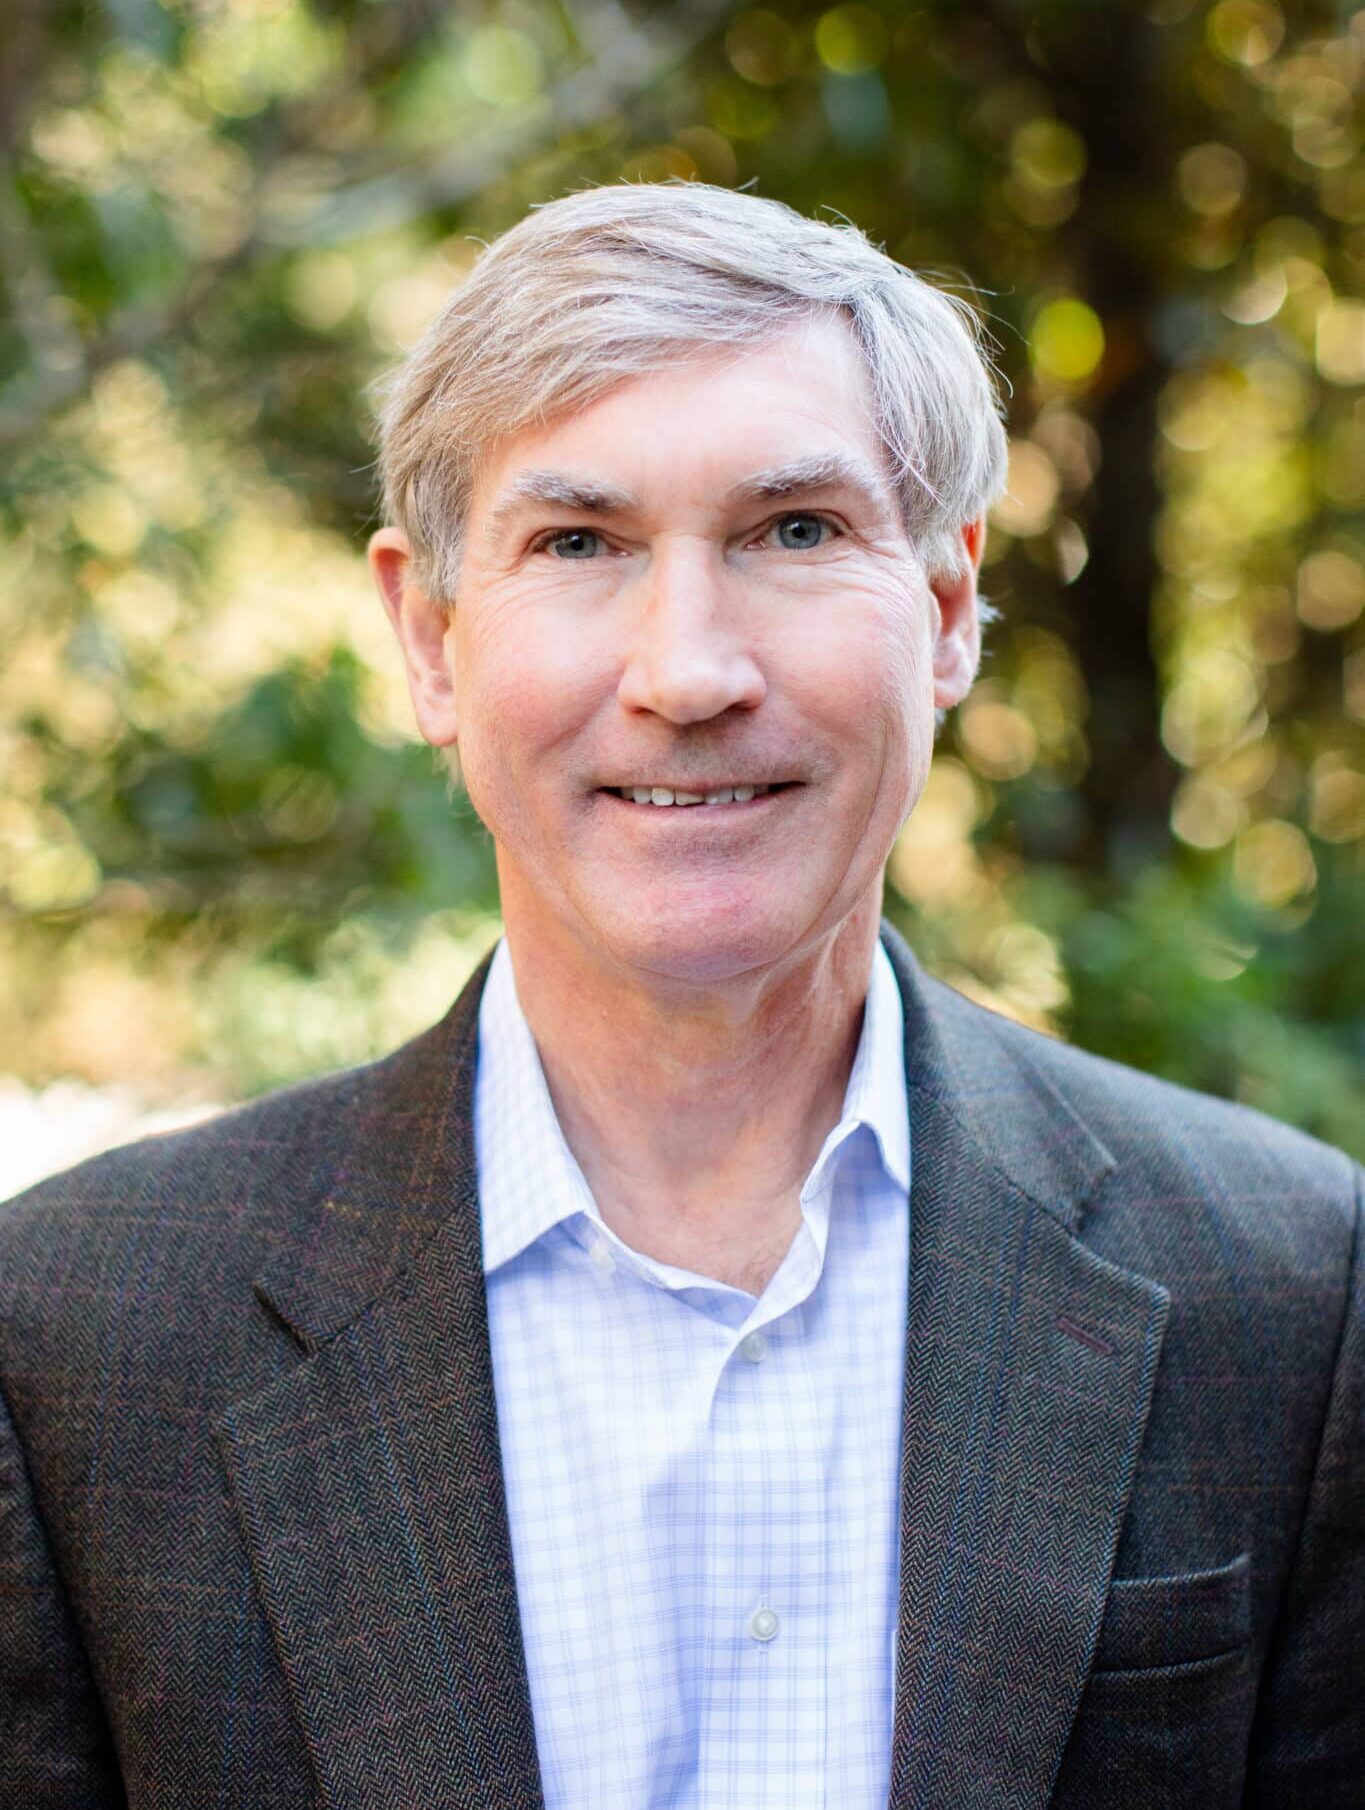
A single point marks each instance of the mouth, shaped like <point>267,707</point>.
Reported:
<point>722,801</point>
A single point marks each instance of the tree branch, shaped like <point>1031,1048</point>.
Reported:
<point>628,61</point>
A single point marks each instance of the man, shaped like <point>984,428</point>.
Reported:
<point>717,1366</point>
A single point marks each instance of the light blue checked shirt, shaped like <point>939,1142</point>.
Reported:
<point>701,1484</point>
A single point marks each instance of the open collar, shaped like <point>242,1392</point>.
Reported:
<point>403,1159</point>
<point>529,1179</point>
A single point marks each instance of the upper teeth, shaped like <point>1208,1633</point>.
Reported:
<point>662,795</point>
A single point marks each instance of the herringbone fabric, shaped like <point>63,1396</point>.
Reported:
<point>253,1540</point>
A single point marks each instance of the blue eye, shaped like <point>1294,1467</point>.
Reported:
<point>574,543</point>
<point>800,532</point>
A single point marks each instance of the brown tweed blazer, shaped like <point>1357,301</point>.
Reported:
<point>253,1540</point>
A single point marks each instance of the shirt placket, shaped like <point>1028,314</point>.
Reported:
<point>765,1733</point>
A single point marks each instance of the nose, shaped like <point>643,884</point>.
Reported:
<point>689,656</point>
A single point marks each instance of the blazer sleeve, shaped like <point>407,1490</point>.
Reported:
<point>55,1750</point>
<point>1308,1745</point>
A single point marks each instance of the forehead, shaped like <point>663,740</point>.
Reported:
<point>703,422</point>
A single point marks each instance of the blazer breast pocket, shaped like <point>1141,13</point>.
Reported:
<point>1165,1716</point>
<point>1179,1620</point>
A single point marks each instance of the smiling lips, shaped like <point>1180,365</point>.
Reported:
<point>668,795</point>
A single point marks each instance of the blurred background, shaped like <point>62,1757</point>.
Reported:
<point>225,863</point>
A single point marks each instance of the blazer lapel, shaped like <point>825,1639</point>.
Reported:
<point>368,1482</point>
<point>1029,1370</point>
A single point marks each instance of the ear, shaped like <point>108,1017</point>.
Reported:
<point>957,637</point>
<point>423,628</point>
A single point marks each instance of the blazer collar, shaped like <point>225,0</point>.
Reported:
<point>405,1166</point>
<point>406,1158</point>
<point>973,1065</point>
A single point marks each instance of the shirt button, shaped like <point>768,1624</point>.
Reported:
<point>763,1624</point>
<point>755,1348</point>
<point>601,1258</point>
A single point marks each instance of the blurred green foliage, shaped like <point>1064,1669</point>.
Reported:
<point>225,861</point>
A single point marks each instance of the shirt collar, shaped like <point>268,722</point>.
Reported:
<point>529,1179</point>
<point>875,1095</point>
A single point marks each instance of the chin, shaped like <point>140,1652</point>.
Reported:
<point>706,941</point>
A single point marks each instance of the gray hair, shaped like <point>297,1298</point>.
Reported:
<point>610,283</point>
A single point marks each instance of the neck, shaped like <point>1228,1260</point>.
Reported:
<point>696,1111</point>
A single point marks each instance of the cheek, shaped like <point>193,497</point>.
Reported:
<point>880,649</point>
<point>869,698</point>
<point>514,681</point>
<point>909,670</point>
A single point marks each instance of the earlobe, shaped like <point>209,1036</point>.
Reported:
<point>422,626</point>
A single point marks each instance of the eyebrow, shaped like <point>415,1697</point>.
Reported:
<point>582,496</point>
<point>821,471</point>
<point>588,496</point>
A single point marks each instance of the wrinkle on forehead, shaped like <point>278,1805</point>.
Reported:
<point>820,342</point>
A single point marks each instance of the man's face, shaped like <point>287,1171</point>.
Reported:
<point>701,580</point>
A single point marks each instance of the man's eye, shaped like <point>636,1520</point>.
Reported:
<point>797,533</point>
<point>572,543</point>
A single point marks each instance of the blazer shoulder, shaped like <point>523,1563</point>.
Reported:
<point>339,1178</point>
<point>1140,1112</point>
<point>1178,1152</point>
<point>251,1161</point>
